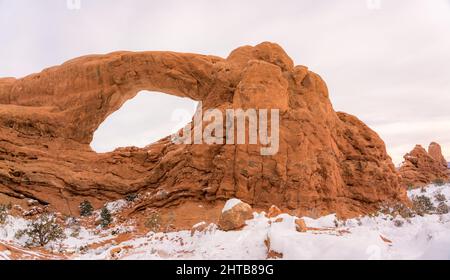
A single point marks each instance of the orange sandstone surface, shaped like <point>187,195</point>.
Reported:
<point>422,167</point>
<point>328,162</point>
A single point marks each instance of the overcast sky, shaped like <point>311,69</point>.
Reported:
<point>388,66</point>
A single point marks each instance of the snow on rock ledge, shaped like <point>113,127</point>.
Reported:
<point>234,214</point>
<point>230,204</point>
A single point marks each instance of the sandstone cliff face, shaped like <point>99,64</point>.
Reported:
<point>327,161</point>
<point>421,168</point>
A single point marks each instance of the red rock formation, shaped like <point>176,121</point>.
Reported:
<point>327,161</point>
<point>421,168</point>
<point>435,151</point>
<point>235,217</point>
<point>273,212</point>
<point>300,225</point>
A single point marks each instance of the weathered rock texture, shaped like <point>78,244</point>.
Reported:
<point>274,212</point>
<point>435,151</point>
<point>421,168</point>
<point>327,161</point>
<point>300,225</point>
<point>235,217</point>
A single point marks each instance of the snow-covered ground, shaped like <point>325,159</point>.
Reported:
<point>375,237</point>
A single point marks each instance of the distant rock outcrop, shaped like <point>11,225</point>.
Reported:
<point>421,168</point>
<point>328,162</point>
<point>435,151</point>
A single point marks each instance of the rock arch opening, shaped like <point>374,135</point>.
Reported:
<point>143,120</point>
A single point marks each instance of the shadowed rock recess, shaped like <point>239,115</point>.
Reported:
<point>327,161</point>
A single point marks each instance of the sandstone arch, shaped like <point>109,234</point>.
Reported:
<point>84,91</point>
<point>328,161</point>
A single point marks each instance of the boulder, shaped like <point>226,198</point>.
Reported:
<point>273,212</point>
<point>300,225</point>
<point>234,215</point>
<point>278,220</point>
<point>199,228</point>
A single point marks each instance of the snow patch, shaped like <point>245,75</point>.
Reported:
<point>5,255</point>
<point>230,204</point>
<point>116,206</point>
<point>369,237</point>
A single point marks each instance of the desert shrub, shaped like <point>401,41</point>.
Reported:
<point>74,225</point>
<point>153,222</point>
<point>410,187</point>
<point>105,217</point>
<point>440,197</point>
<point>397,209</point>
<point>359,222</point>
<point>86,209</point>
<point>422,205</point>
<point>75,231</point>
<point>398,223</point>
<point>43,230</point>
<point>439,182</point>
<point>3,213</point>
<point>442,208</point>
<point>131,197</point>
<point>336,223</point>
<point>83,249</point>
<point>170,221</point>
